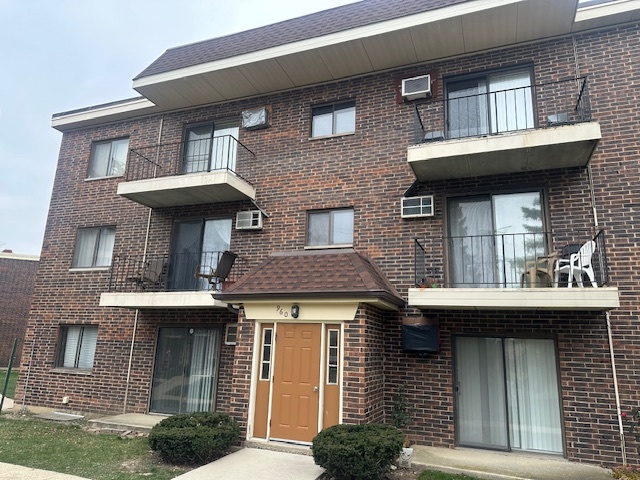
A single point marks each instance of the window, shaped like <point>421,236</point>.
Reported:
<point>265,360</point>
<point>330,228</point>
<point>108,159</point>
<point>77,346</point>
<point>334,119</point>
<point>231,334</point>
<point>94,247</point>
<point>490,103</point>
<point>333,351</point>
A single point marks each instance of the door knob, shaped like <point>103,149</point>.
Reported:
<point>315,389</point>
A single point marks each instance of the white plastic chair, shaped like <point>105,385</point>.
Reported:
<point>577,264</point>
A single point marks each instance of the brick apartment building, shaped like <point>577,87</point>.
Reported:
<point>293,222</point>
<point>17,278</point>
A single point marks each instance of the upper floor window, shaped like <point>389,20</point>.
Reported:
<point>109,158</point>
<point>94,247</point>
<point>330,228</point>
<point>77,346</point>
<point>490,103</point>
<point>336,119</point>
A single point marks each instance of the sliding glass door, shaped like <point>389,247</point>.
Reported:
<point>507,394</point>
<point>208,147</point>
<point>490,103</point>
<point>491,237</point>
<point>197,244</point>
<point>186,369</point>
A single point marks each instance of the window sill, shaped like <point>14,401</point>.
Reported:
<point>89,269</point>
<point>72,371</point>
<point>336,135</point>
<point>107,177</point>
<point>325,247</point>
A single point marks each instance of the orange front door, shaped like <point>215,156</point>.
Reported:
<point>296,382</point>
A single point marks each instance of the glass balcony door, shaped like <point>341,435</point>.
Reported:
<point>197,245</point>
<point>186,369</point>
<point>491,237</point>
<point>208,147</point>
<point>507,394</point>
<point>489,104</point>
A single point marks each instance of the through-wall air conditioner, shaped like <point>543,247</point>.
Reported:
<point>416,87</point>
<point>417,206</point>
<point>250,220</point>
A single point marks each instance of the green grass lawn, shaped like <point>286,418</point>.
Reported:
<point>70,449</point>
<point>13,378</point>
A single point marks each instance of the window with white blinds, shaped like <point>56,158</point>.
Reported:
<point>77,346</point>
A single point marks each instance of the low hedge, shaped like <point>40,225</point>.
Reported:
<point>357,452</point>
<point>194,438</point>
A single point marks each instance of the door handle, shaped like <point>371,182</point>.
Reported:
<point>315,389</point>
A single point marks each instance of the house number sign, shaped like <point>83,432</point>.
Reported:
<point>281,311</point>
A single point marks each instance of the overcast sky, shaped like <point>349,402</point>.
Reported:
<point>60,55</point>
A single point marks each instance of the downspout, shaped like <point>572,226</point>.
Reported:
<point>144,258</point>
<point>594,209</point>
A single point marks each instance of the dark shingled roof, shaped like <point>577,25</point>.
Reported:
<point>365,12</point>
<point>314,273</point>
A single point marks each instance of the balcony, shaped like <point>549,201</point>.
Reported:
<point>512,271</point>
<point>200,171</point>
<point>537,127</point>
<point>182,280</point>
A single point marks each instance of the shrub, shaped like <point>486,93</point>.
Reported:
<point>625,473</point>
<point>357,452</point>
<point>194,438</point>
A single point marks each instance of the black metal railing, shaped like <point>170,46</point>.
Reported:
<point>507,260</point>
<point>170,272</point>
<point>493,113</point>
<point>196,156</point>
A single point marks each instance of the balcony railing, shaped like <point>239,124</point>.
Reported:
<point>506,260</point>
<point>493,113</point>
<point>196,156</point>
<point>174,272</point>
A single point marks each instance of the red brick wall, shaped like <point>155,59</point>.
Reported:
<point>17,277</point>
<point>368,171</point>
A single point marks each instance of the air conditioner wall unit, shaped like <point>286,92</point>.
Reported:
<point>416,87</point>
<point>249,220</point>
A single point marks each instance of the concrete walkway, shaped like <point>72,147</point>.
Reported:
<point>15,472</point>
<point>257,464</point>
<point>277,461</point>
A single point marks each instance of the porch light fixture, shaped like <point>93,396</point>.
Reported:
<point>295,311</point>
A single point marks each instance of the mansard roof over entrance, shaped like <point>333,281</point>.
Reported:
<point>315,274</point>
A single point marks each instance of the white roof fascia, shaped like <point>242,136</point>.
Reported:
<point>101,111</point>
<point>590,12</point>
<point>388,26</point>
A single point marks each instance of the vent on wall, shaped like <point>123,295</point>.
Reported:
<point>250,220</point>
<point>416,87</point>
<point>417,206</point>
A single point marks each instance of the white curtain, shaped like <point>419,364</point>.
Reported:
<point>80,344</point>
<point>471,251</point>
<point>197,149</point>
<point>202,370</point>
<point>480,392</point>
<point>225,147</point>
<point>532,383</point>
<point>508,385</point>
<point>216,239</point>
<point>511,102</point>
